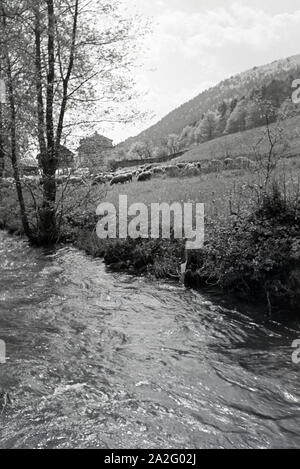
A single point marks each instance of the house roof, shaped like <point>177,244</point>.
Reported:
<point>97,139</point>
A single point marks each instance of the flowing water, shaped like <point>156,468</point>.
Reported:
<point>103,360</point>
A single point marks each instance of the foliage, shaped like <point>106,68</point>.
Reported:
<point>61,61</point>
<point>234,105</point>
<point>254,253</point>
<point>140,150</point>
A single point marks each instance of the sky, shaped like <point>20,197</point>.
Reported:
<point>197,43</point>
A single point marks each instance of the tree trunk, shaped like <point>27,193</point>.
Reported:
<point>2,154</point>
<point>66,79</point>
<point>39,87</point>
<point>47,217</point>
<point>13,136</point>
<point>13,144</point>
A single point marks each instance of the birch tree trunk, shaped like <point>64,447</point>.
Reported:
<point>13,132</point>
<point>49,147</point>
<point>2,154</point>
<point>47,216</point>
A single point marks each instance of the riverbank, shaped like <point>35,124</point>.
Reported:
<point>254,255</point>
<point>252,247</point>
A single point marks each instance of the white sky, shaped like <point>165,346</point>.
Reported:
<point>197,43</point>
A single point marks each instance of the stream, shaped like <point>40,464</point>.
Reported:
<point>106,360</point>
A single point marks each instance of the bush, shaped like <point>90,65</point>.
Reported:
<point>160,258</point>
<point>255,255</point>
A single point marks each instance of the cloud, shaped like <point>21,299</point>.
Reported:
<point>220,28</point>
<point>194,47</point>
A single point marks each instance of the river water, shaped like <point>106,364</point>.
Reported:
<point>103,360</point>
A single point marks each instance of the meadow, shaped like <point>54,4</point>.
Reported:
<point>223,192</point>
<point>249,143</point>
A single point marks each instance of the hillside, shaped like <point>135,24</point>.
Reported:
<point>285,70</point>
<point>247,143</point>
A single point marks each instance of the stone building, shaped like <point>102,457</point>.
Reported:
<point>94,151</point>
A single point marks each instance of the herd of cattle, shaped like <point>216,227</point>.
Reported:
<point>145,172</point>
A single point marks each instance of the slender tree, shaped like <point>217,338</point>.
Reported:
<point>13,122</point>
<point>72,57</point>
<point>2,154</point>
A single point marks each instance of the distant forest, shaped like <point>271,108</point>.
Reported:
<point>248,100</point>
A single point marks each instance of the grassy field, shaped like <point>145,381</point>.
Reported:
<point>225,191</point>
<point>221,192</point>
<point>215,190</point>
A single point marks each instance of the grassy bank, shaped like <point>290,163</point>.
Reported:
<point>249,143</point>
<point>252,246</point>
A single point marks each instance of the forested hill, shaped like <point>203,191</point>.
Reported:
<point>188,114</point>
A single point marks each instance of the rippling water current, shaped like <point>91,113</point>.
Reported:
<point>105,360</point>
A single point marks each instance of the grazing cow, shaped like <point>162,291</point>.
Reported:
<point>145,176</point>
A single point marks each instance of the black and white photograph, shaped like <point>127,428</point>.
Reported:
<point>149,227</point>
